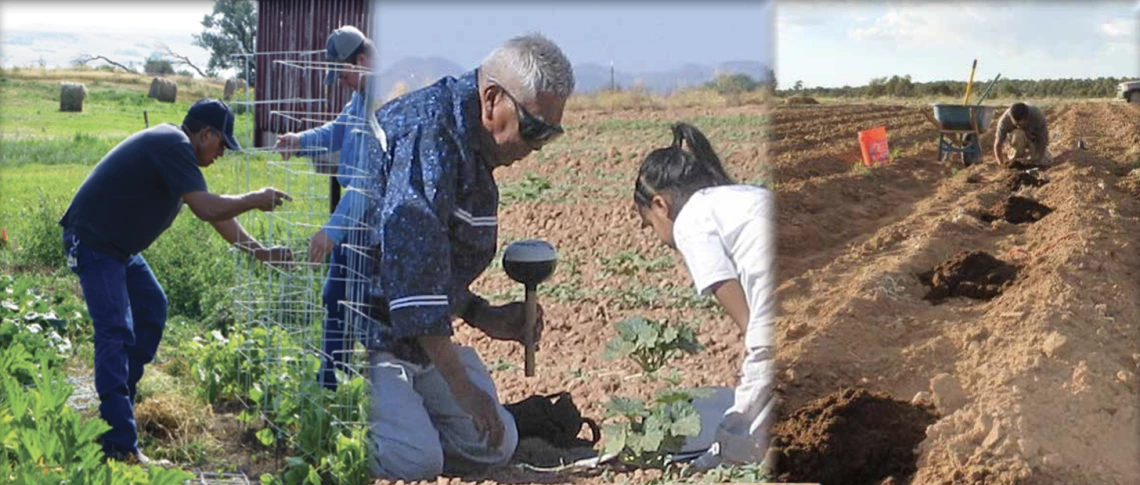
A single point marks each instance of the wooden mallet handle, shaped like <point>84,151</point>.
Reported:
<point>531,311</point>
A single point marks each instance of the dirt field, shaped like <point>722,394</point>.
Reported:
<point>1047,370</point>
<point>1034,382</point>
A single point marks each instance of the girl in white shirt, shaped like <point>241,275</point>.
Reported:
<point>724,232</point>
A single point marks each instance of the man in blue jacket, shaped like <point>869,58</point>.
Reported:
<point>435,216</point>
<point>343,230</point>
<point>130,198</point>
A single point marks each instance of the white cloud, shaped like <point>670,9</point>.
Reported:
<point>58,32</point>
<point>91,17</point>
<point>1118,29</point>
<point>58,49</point>
<point>922,25</point>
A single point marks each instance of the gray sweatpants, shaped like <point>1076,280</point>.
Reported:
<point>419,431</point>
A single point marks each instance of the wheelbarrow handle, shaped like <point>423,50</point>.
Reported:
<point>930,118</point>
<point>987,91</point>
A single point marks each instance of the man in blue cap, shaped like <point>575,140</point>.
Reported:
<point>130,198</point>
<point>346,45</point>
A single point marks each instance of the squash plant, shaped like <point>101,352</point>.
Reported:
<point>645,433</point>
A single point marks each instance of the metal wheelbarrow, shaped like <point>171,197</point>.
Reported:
<point>961,126</point>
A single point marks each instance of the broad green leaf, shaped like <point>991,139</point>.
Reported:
<point>686,422</point>
<point>650,441</point>
<point>624,406</point>
<point>266,437</point>
<point>614,440</point>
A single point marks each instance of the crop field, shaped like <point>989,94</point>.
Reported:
<point>886,376</point>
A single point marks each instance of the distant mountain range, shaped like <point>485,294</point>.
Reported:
<point>415,72</point>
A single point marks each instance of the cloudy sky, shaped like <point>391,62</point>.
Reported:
<point>127,31</point>
<point>822,44</point>
<point>836,44</point>
<point>637,36</point>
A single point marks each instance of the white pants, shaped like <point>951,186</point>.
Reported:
<point>746,415</point>
<point>419,431</point>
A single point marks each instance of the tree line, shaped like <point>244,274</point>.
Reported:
<point>904,87</point>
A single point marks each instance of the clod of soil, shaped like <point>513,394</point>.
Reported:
<point>1027,178</point>
<point>1018,210</point>
<point>851,437</point>
<point>1021,166</point>
<point>976,275</point>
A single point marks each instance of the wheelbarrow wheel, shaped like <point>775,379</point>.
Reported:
<point>972,153</point>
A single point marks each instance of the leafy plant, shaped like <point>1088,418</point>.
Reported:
<point>319,425</point>
<point>43,440</point>
<point>531,187</point>
<point>644,435</point>
<point>40,241</point>
<point>632,262</point>
<point>669,296</point>
<point>747,473</point>
<point>651,343</point>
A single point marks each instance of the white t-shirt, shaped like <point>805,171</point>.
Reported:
<point>727,232</point>
<point>724,233</point>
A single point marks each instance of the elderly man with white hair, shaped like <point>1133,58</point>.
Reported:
<point>435,408</point>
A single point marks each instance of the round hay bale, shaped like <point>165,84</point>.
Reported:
<point>163,89</point>
<point>228,93</point>
<point>233,86</point>
<point>800,100</point>
<point>71,96</point>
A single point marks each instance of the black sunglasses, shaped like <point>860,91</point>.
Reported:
<point>535,131</point>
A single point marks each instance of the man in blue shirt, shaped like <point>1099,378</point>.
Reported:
<point>130,198</point>
<point>434,216</point>
<point>344,229</point>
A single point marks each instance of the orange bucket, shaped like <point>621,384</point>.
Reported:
<point>873,142</point>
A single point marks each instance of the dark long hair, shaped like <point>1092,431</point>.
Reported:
<point>679,170</point>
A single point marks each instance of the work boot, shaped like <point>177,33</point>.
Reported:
<point>142,460</point>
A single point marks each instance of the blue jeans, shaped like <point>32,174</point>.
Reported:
<point>340,325</point>
<point>128,309</point>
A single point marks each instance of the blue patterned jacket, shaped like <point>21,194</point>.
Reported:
<point>433,214</point>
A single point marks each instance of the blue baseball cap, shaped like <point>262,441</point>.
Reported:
<point>216,115</point>
<point>342,43</point>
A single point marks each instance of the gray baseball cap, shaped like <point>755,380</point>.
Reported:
<point>341,44</point>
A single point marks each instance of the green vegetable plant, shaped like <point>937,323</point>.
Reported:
<point>651,343</point>
<point>644,433</point>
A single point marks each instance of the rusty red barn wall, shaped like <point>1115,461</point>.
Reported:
<point>291,26</point>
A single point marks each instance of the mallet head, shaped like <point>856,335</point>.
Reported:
<point>530,261</point>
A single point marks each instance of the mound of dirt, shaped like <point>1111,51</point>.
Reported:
<point>973,274</point>
<point>1027,178</point>
<point>1018,210</point>
<point>800,100</point>
<point>851,437</point>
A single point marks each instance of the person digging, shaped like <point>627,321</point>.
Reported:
<point>1028,134</point>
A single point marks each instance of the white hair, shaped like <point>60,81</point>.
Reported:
<point>535,63</point>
